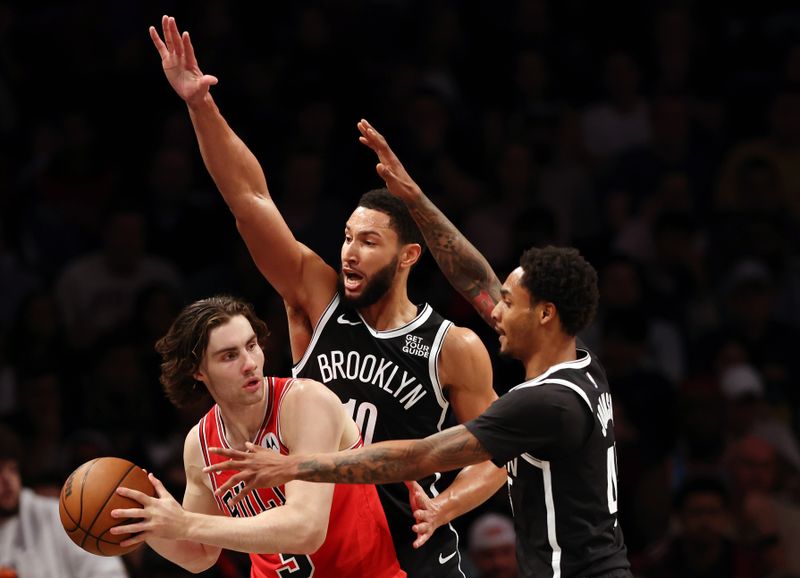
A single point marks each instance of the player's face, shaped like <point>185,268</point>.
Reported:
<point>233,365</point>
<point>10,486</point>
<point>369,257</point>
<point>515,318</point>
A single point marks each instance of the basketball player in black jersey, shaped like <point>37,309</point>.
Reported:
<point>400,368</point>
<point>554,432</point>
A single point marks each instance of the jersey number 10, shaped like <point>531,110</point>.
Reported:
<point>365,415</point>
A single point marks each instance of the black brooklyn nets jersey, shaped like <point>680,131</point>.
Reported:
<point>388,381</point>
<point>555,433</point>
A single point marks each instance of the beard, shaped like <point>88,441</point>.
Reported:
<point>374,289</point>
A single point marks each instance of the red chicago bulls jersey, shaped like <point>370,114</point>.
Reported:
<point>358,542</point>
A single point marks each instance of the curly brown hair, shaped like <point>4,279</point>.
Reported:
<point>563,277</point>
<point>183,347</point>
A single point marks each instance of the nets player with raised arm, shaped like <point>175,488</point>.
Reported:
<point>554,432</point>
<point>398,367</point>
<point>214,350</point>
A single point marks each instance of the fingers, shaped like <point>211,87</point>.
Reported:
<point>161,491</point>
<point>128,513</point>
<point>229,453</point>
<point>174,36</point>
<point>127,529</point>
<point>229,483</point>
<point>245,491</point>
<point>140,497</point>
<point>422,535</point>
<point>165,32</point>
<point>221,466</point>
<point>159,44</point>
<point>138,539</point>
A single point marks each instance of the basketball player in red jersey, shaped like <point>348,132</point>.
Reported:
<point>214,348</point>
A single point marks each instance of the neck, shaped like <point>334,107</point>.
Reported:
<point>242,422</point>
<point>554,349</point>
<point>391,311</point>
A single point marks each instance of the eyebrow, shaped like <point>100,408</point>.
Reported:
<point>232,347</point>
<point>505,292</point>
<point>365,232</point>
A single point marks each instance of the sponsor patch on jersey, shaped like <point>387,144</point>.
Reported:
<point>415,346</point>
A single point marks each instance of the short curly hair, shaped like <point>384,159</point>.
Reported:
<point>563,277</point>
<point>400,218</point>
<point>183,347</point>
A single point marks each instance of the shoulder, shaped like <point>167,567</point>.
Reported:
<point>192,452</point>
<point>308,393</point>
<point>461,341</point>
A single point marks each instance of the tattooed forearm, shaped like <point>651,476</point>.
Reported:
<point>395,461</point>
<point>462,264</point>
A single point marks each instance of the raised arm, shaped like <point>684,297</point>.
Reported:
<point>296,272</point>
<point>462,264</point>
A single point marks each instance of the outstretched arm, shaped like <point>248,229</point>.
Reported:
<point>289,266</point>
<point>474,485</point>
<point>462,264</point>
<point>381,463</point>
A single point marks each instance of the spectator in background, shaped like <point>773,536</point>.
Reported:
<point>700,546</point>
<point>622,121</point>
<point>97,292</point>
<point>748,413</point>
<point>32,540</point>
<point>766,518</point>
<point>493,547</point>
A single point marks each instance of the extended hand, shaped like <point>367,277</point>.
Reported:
<point>159,517</point>
<point>179,62</point>
<point>390,169</point>
<point>426,513</point>
<point>257,467</point>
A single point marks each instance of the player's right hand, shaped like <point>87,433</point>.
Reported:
<point>427,513</point>
<point>179,62</point>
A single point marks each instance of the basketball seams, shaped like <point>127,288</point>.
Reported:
<point>80,502</point>
<point>111,494</point>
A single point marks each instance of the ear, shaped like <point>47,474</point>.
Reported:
<point>547,312</point>
<point>409,255</point>
<point>199,376</point>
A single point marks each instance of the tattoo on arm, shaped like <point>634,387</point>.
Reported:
<point>396,461</point>
<point>462,264</point>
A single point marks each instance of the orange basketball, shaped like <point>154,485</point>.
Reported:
<point>89,495</point>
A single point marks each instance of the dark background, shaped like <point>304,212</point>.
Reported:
<point>660,138</point>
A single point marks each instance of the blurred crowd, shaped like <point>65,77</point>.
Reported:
<point>660,138</point>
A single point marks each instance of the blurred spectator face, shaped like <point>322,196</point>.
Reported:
<point>621,77</point>
<point>41,316</point>
<point>703,517</point>
<point>497,562</point>
<point>670,121</point>
<point>492,546</point>
<point>620,285</point>
<point>429,121</point>
<point>516,169</point>
<point>171,173</point>
<point>124,241</point>
<point>531,74</point>
<point>303,178</point>
<point>753,465</point>
<point>10,487</point>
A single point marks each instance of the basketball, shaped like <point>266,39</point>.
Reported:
<point>89,495</point>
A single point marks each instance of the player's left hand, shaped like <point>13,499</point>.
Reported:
<point>427,513</point>
<point>257,468</point>
<point>160,517</point>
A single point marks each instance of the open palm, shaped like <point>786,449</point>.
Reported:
<point>179,62</point>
